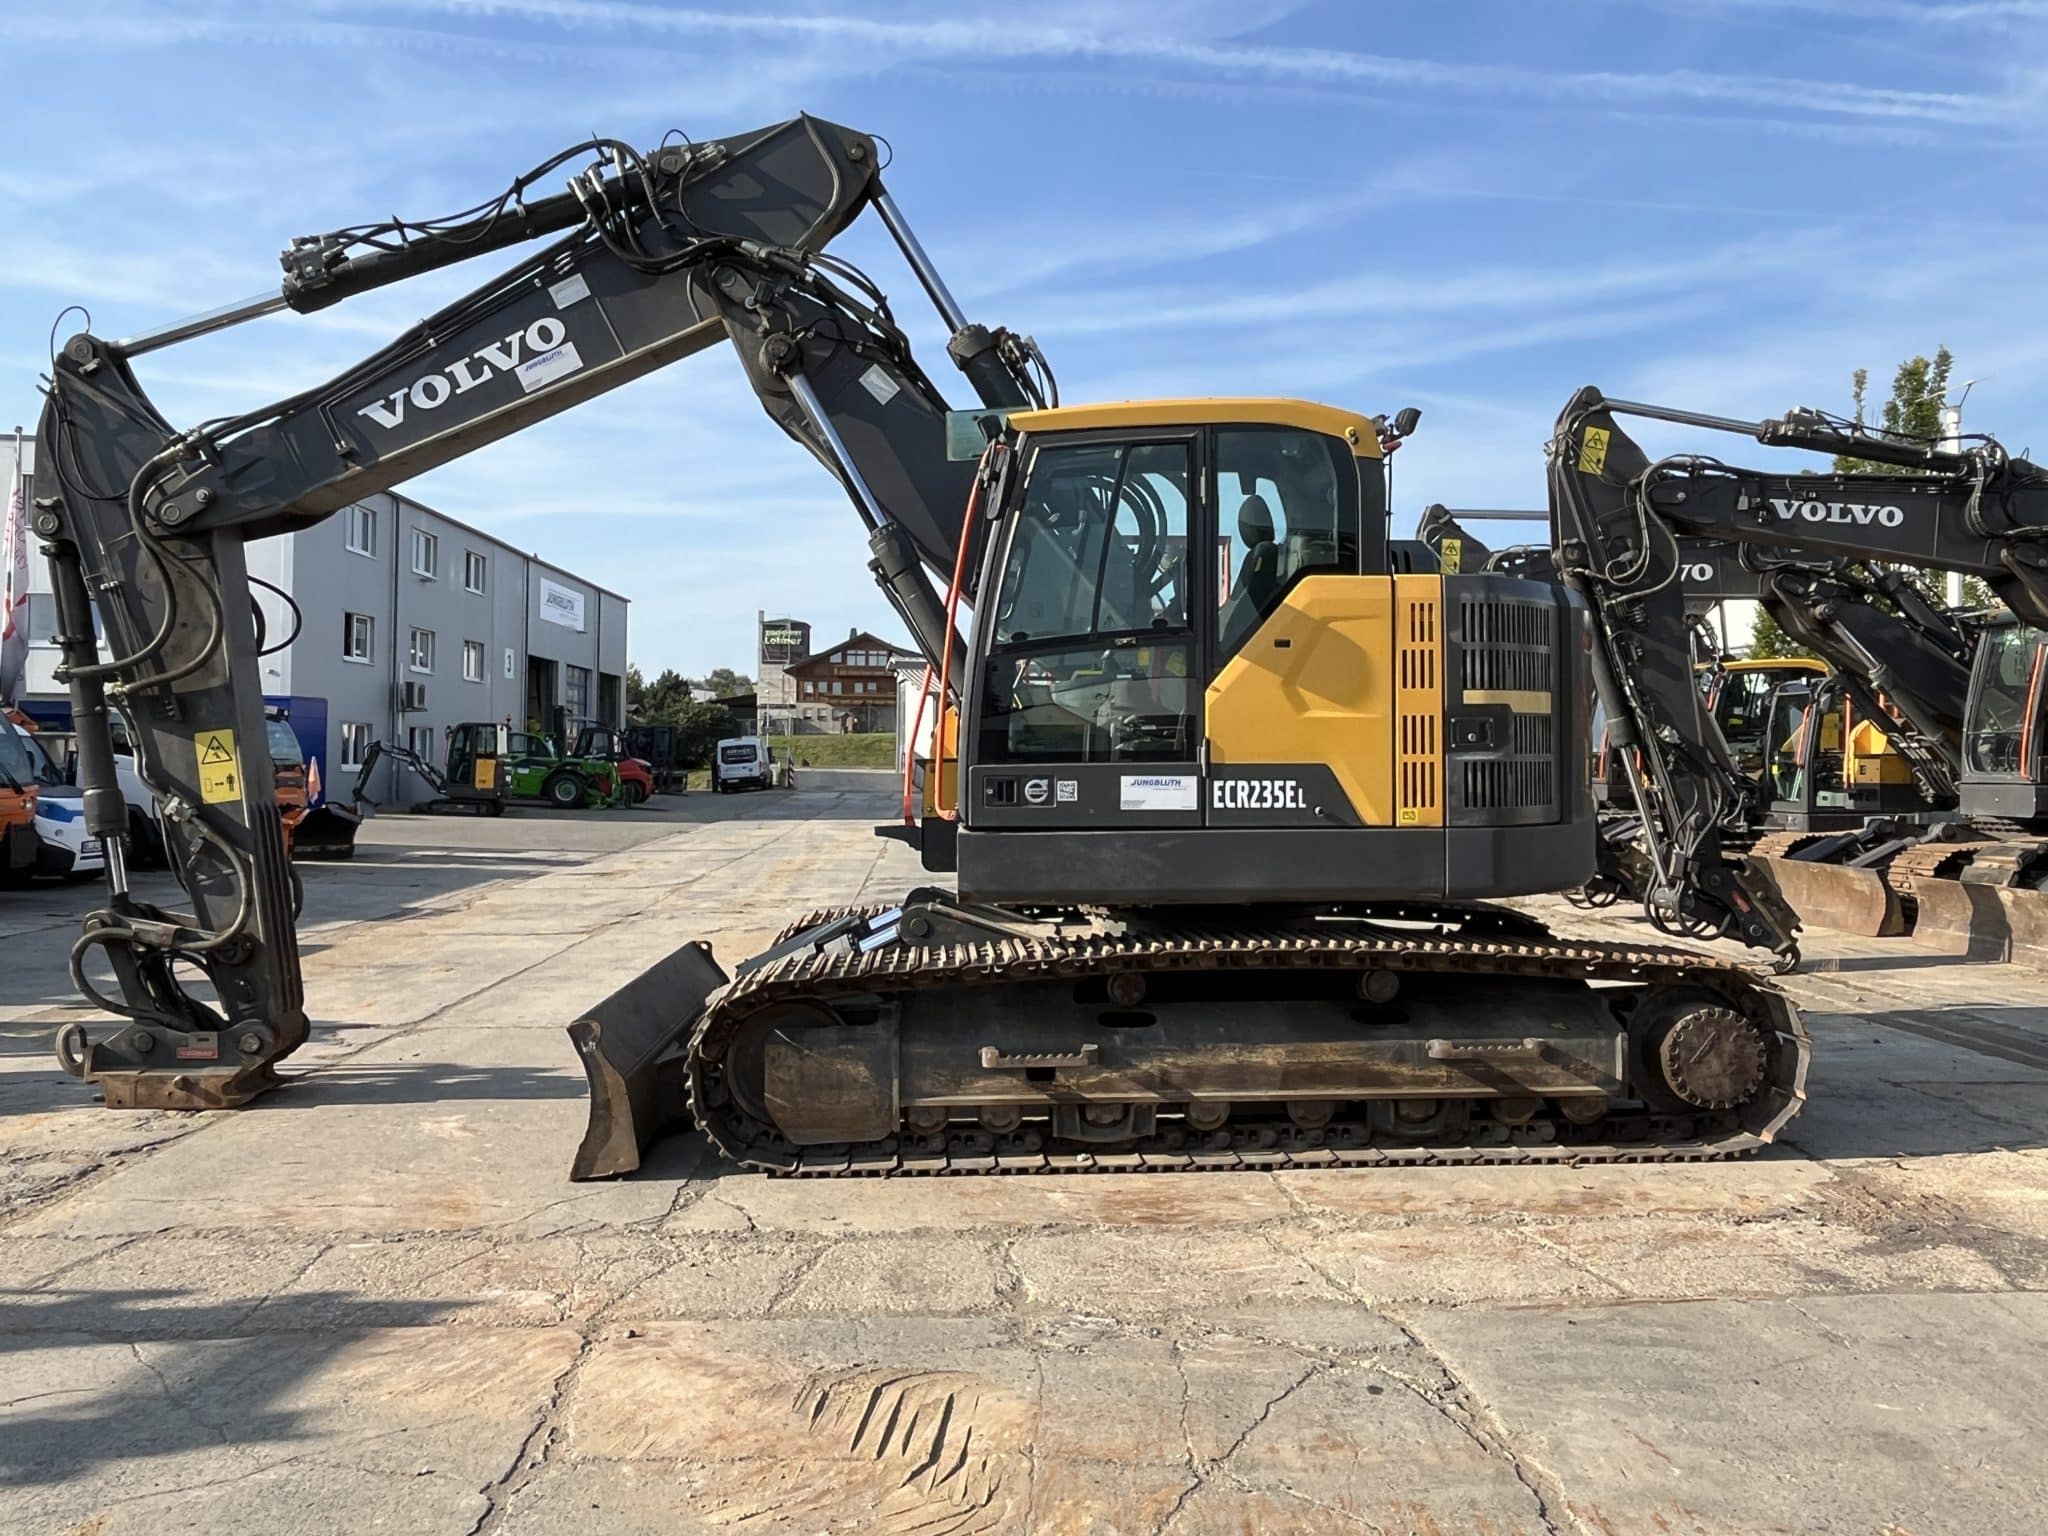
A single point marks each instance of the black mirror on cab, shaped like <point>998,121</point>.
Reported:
<point>1406,420</point>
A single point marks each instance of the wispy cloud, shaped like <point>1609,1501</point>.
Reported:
<point>881,43</point>
<point>1956,13</point>
<point>969,38</point>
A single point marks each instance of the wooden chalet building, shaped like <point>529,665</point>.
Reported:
<point>851,687</point>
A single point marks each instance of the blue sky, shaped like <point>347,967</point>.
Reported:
<point>1474,206</point>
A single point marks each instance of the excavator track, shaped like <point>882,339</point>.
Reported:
<point>1913,867</point>
<point>1782,845</point>
<point>1768,1060</point>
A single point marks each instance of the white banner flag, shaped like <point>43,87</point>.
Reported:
<point>14,588</point>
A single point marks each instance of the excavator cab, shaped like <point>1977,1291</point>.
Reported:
<point>1196,681</point>
<point>2005,734</point>
<point>1740,697</point>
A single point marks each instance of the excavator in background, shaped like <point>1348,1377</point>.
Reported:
<point>1818,773</point>
<point>469,781</point>
<point>1230,792</point>
<point>1958,694</point>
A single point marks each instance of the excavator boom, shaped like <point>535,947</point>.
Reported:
<point>654,256</point>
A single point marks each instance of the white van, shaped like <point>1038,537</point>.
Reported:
<point>63,847</point>
<point>740,763</point>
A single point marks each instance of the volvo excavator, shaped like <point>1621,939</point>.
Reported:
<point>1229,797</point>
<point>1959,695</point>
<point>1818,774</point>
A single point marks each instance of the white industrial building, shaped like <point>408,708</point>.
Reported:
<point>410,622</point>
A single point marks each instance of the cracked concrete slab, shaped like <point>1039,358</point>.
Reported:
<point>394,1428</point>
<point>1864,1413</point>
<point>374,1296</point>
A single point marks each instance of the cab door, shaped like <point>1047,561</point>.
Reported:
<point>1299,681</point>
<point>1090,638</point>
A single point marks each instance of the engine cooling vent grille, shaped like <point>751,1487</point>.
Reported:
<point>1507,665</point>
<point>1418,702</point>
<point>1508,646</point>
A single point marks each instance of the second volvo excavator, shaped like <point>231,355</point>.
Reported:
<point>1959,695</point>
<point>1228,796</point>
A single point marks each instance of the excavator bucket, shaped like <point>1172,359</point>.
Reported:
<point>1837,896</point>
<point>328,831</point>
<point>632,1046</point>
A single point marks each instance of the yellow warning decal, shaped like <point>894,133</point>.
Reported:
<point>220,770</point>
<point>1593,455</point>
<point>1450,556</point>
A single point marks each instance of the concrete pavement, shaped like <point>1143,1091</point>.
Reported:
<point>371,1302</point>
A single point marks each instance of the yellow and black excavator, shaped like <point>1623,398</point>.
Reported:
<point>1229,793</point>
<point>1813,769</point>
<point>1962,849</point>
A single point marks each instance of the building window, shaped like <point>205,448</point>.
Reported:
<point>426,554</point>
<point>42,620</point>
<point>359,529</point>
<point>576,690</point>
<point>472,571</point>
<point>420,738</point>
<point>355,744</point>
<point>472,661</point>
<point>358,637</point>
<point>422,652</point>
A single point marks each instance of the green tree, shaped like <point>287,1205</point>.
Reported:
<point>1767,642</point>
<point>666,694</point>
<point>699,729</point>
<point>1919,398</point>
<point>725,683</point>
<point>636,693</point>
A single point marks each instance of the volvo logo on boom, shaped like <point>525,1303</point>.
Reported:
<point>520,350</point>
<point>1837,512</point>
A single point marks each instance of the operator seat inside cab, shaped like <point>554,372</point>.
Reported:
<point>1258,583</point>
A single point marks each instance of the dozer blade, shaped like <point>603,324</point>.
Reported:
<point>328,831</point>
<point>632,1046</point>
<point>1983,922</point>
<point>1835,896</point>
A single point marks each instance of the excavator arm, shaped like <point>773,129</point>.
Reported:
<point>1820,543</point>
<point>655,256</point>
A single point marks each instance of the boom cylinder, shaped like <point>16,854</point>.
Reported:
<point>106,812</point>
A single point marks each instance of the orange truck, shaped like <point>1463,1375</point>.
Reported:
<point>17,801</point>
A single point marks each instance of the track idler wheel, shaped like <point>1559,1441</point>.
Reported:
<point>1711,1057</point>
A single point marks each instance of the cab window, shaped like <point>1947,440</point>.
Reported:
<point>1091,654</point>
<point>284,743</point>
<point>1100,544</point>
<point>22,759</point>
<point>1286,507</point>
<point>2008,672</point>
<point>1742,710</point>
